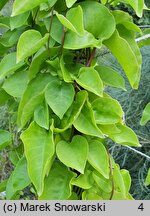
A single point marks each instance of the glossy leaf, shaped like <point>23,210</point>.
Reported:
<point>72,40</point>
<point>41,116</point>
<point>73,112</point>
<point>59,96</point>
<point>146,115</point>
<point>8,65</point>
<point>147,181</point>
<point>98,157</point>
<point>127,179</point>
<point>119,46</point>
<point>57,184</point>
<point>39,150</point>
<point>138,6</point>
<point>103,183</point>
<point>4,97</point>
<point>91,196</point>
<point>97,27</point>
<point>119,181</point>
<point>20,7</point>
<point>18,21</point>
<point>69,3</point>
<point>19,80</point>
<point>75,154</point>
<point>29,43</point>
<point>18,180</point>
<point>71,23</point>
<point>5,139</point>
<point>85,123</point>
<point>107,111</point>
<point>84,181</point>
<point>2,3</point>
<point>90,80</point>
<point>110,77</point>
<point>125,137</point>
<point>32,97</point>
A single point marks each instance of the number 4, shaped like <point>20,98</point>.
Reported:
<point>141,207</point>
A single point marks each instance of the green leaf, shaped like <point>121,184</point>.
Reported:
<point>84,181</point>
<point>8,65</point>
<point>72,40</point>
<point>131,66</point>
<point>147,181</point>
<point>91,196</point>
<point>19,81</point>
<point>4,97</point>
<point>65,73</point>
<point>107,111</point>
<point>18,21</point>
<point>4,22</point>
<point>2,3</point>
<point>126,136</point>
<point>138,6</point>
<point>75,154</point>
<point>41,116</point>
<point>69,3</point>
<point>29,43</point>
<point>127,179</point>
<point>146,115</point>
<point>125,19</point>
<point>59,96</point>
<point>3,185</point>
<point>57,184</point>
<point>20,7</point>
<point>39,150</point>
<point>97,18</point>
<point>90,80</point>
<point>98,157</point>
<point>70,21</point>
<point>103,183</point>
<point>85,123</point>
<point>5,139</point>
<point>18,180</point>
<point>73,112</point>
<point>110,77</point>
<point>32,97</point>
<point>118,180</point>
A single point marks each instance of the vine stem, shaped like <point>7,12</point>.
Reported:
<point>91,57</point>
<point>62,40</point>
<point>50,26</point>
<point>138,152</point>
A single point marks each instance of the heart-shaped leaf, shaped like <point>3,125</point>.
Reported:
<point>96,17</point>
<point>107,111</point>
<point>19,80</point>
<point>18,180</point>
<point>74,154</point>
<point>73,112</point>
<point>85,123</point>
<point>8,65</point>
<point>84,181</point>
<point>90,80</point>
<point>59,96</point>
<point>98,157</point>
<point>32,97</point>
<point>29,43</point>
<point>57,184</point>
<point>110,77</point>
<point>39,150</point>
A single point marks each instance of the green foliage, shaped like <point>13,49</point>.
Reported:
<point>63,113</point>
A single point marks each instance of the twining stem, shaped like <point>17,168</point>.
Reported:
<point>62,40</point>
<point>91,57</point>
<point>50,27</point>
